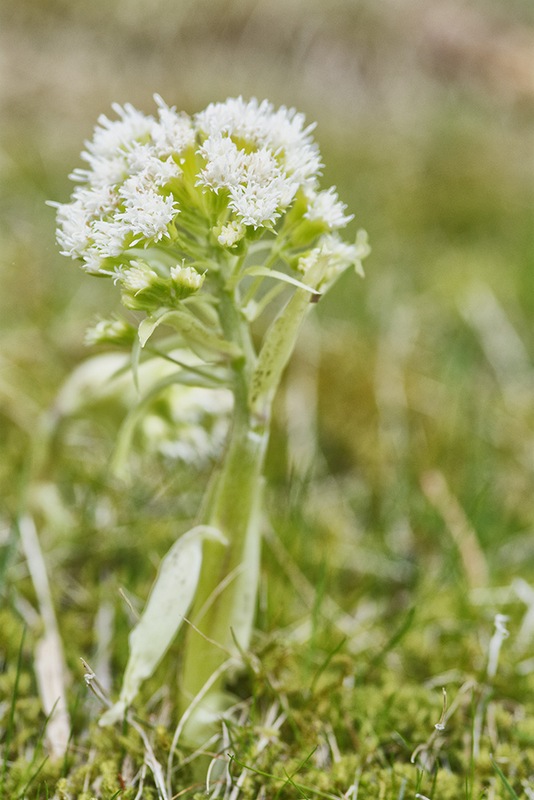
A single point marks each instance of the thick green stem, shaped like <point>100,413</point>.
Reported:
<point>224,605</point>
<point>223,612</point>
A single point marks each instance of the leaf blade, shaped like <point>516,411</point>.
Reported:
<point>169,601</point>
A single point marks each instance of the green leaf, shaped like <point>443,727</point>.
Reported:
<point>265,272</point>
<point>278,344</point>
<point>198,336</point>
<point>147,327</point>
<point>169,601</point>
<point>504,780</point>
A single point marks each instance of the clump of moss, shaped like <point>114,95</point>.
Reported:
<point>343,718</point>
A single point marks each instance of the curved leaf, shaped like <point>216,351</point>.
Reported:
<point>199,338</point>
<point>265,272</point>
<point>169,601</point>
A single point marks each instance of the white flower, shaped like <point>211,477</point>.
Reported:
<point>142,162</point>
<point>97,201</point>
<point>288,136</point>
<point>234,117</point>
<point>326,207</point>
<point>106,331</point>
<point>304,164</point>
<point>281,132</point>
<point>140,174</point>
<point>256,204</point>
<point>231,234</point>
<point>225,163</point>
<point>103,171</point>
<point>256,123</point>
<point>138,278</point>
<point>186,279</point>
<point>332,256</point>
<point>146,212</point>
<point>262,166</point>
<point>112,136</point>
<point>74,231</point>
<point>93,261</point>
<point>174,133</point>
<point>109,237</point>
<point>258,186</point>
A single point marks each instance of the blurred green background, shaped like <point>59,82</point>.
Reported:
<point>425,112</point>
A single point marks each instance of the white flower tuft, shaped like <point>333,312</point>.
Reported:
<point>332,256</point>
<point>138,278</point>
<point>260,156</point>
<point>74,231</point>
<point>173,134</point>
<point>230,170</point>
<point>231,234</point>
<point>112,136</point>
<point>143,163</point>
<point>259,125</point>
<point>255,204</point>
<point>108,237</point>
<point>326,207</point>
<point>186,279</point>
<point>146,212</point>
<point>225,163</point>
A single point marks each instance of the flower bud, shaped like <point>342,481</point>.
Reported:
<point>110,331</point>
<point>143,289</point>
<point>185,281</point>
<point>229,235</point>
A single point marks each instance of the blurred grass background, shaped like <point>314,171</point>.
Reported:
<point>424,371</point>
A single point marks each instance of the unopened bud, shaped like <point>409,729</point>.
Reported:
<point>185,280</point>
<point>143,289</point>
<point>110,331</point>
<point>229,235</point>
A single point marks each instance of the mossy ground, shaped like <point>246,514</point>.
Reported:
<point>400,503</point>
<point>314,720</point>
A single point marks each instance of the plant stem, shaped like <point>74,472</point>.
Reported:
<point>223,611</point>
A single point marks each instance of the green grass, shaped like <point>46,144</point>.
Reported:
<point>418,437</point>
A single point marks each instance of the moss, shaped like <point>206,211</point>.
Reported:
<point>524,731</point>
<point>340,727</point>
<point>28,776</point>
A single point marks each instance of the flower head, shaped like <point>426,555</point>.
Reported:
<point>185,186</point>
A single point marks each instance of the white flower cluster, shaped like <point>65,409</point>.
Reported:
<point>125,196</point>
<point>171,181</point>
<point>261,157</point>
